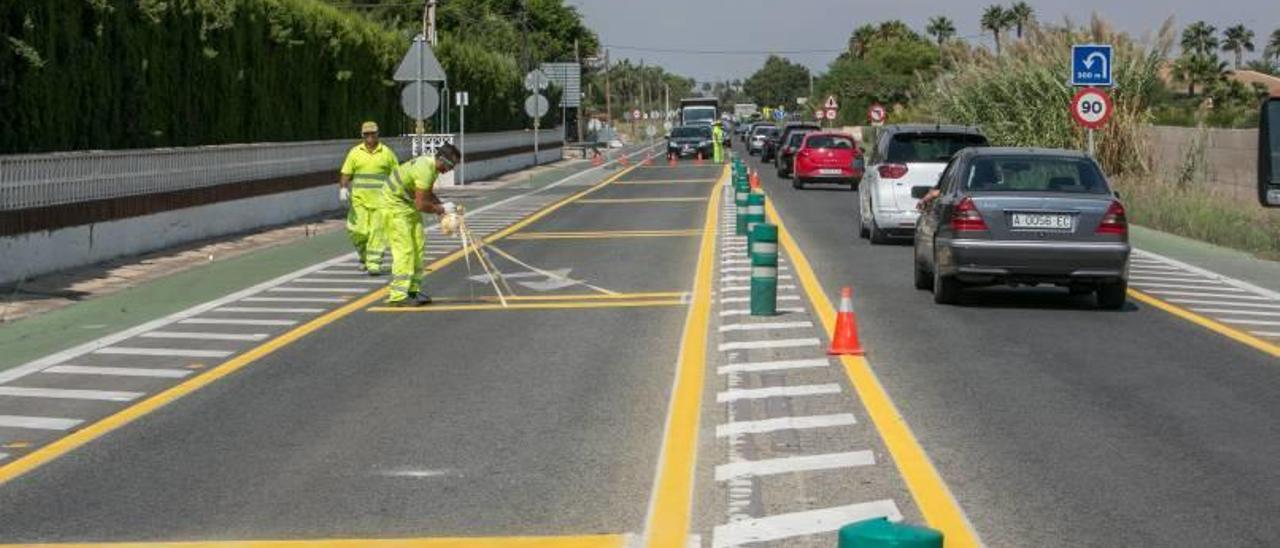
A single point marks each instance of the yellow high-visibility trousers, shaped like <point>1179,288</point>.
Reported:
<point>717,152</point>
<point>366,227</point>
<point>404,230</point>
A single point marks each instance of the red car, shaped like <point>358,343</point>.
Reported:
<point>828,158</point>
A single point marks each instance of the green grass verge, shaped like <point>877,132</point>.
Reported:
<point>1197,213</point>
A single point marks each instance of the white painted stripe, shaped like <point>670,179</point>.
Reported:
<point>1249,322</point>
<point>777,392</point>
<point>765,247</point>
<point>235,321</point>
<point>779,365</point>
<point>1178,279</point>
<point>1156,269</point>
<point>336,272</point>
<point>6,455</point>
<point>177,352</point>
<point>269,310</point>
<point>294,300</point>
<point>1240,284</point>
<point>785,465</point>
<point>66,394</point>
<point>764,326</point>
<point>1179,286</point>
<point>318,290</point>
<point>1235,312</point>
<point>747,312</point>
<point>1239,296</point>
<point>769,343</point>
<point>1266,333</point>
<point>370,280</point>
<point>37,423</point>
<point>195,335</point>
<point>727,300</point>
<point>784,423</point>
<point>809,522</point>
<point>732,269</point>
<point>1224,303</point>
<point>118,371</point>
<point>727,279</point>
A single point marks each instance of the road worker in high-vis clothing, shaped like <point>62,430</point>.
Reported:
<point>365,172</point>
<point>717,142</point>
<point>411,192</point>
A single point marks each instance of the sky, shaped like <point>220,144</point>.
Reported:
<point>825,25</point>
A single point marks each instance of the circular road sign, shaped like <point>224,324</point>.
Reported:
<point>536,106</point>
<point>536,80</point>
<point>1092,107</point>
<point>635,114</point>
<point>831,114</point>
<point>876,113</point>
<point>650,131</point>
<point>409,100</point>
<point>819,114</point>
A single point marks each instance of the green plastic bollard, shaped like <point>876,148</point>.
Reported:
<point>764,270</point>
<point>882,533</point>
<point>740,200</point>
<point>755,213</point>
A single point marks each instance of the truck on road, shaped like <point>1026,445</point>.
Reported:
<point>699,111</point>
<point>745,111</point>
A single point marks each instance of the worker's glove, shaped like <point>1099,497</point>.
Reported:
<point>344,194</point>
<point>449,208</point>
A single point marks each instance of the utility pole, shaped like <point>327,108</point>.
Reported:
<point>577,60</point>
<point>666,101</point>
<point>608,99</point>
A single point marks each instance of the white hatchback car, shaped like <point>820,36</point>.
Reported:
<point>906,157</point>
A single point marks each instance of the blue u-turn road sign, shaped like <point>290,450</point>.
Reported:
<point>1091,65</point>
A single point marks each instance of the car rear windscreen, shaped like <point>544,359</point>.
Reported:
<point>1034,174</point>
<point>829,141</point>
<point>796,138</point>
<point>930,147</point>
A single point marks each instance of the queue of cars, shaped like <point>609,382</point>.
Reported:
<point>977,215</point>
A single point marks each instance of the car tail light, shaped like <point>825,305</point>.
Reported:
<point>892,171</point>
<point>965,217</point>
<point>1114,221</point>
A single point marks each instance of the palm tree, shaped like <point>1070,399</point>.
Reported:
<point>861,39</point>
<point>1199,38</point>
<point>1198,68</point>
<point>995,19</point>
<point>1238,40</point>
<point>942,28</point>
<point>1273,46</point>
<point>1022,15</point>
<point>893,30</point>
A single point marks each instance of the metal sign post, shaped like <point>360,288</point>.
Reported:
<point>536,105</point>
<point>1091,108</point>
<point>462,99</point>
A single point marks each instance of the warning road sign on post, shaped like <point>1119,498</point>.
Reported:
<point>831,103</point>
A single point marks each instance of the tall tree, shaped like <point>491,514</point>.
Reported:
<point>1022,15</point>
<point>941,28</point>
<point>1199,68</point>
<point>996,19</point>
<point>1199,38</point>
<point>778,82</point>
<point>1273,45</point>
<point>860,40</point>
<point>1238,40</point>
<point>894,29</point>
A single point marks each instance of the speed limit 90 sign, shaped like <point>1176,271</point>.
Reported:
<point>1092,107</point>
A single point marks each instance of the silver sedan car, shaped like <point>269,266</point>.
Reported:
<point>1018,216</point>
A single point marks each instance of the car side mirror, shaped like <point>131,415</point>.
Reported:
<point>918,192</point>
<point>1269,153</point>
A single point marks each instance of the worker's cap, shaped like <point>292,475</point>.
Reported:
<point>369,127</point>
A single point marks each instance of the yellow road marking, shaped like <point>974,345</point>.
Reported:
<point>698,199</point>
<point>528,306</point>
<point>575,297</point>
<point>930,492</point>
<point>1207,323</point>
<point>604,234</point>
<point>120,418</point>
<point>671,503</point>
<point>668,182</point>
<point>583,541</point>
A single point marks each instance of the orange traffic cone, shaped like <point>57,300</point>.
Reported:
<point>622,159</point>
<point>597,160</point>
<point>699,160</point>
<point>755,179</point>
<point>845,339</point>
<point>671,160</point>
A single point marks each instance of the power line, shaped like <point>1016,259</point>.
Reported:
<point>721,51</point>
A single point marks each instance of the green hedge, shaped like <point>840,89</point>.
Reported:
<point>108,74</point>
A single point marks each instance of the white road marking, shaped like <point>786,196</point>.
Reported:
<point>1224,303</point>
<point>731,269</point>
<point>784,465</point>
<point>269,310</point>
<point>294,300</point>
<point>747,311</point>
<point>785,423</point>
<point>416,473</point>
<point>118,371</point>
<point>1266,333</point>
<point>370,280</point>
<point>1178,279</point>
<point>1235,312</point>
<point>809,522</point>
<point>729,288</point>
<point>204,336</point>
<point>1213,295</point>
<point>318,290</point>
<point>235,321</point>
<point>1180,286</point>
<point>66,394</point>
<point>779,365</point>
<point>1249,322</point>
<point>739,394</point>
<point>1239,284</point>
<point>727,300</point>
<point>769,343</point>
<point>4,456</point>
<point>336,272</point>
<point>37,423</point>
<point>176,352</point>
<point>727,279</point>
<point>763,326</point>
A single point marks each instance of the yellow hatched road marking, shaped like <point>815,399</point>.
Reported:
<point>604,234</point>
<point>583,541</point>
<point>930,492</point>
<point>127,415</point>
<point>671,502</point>
<point>698,199</point>
<point>668,182</point>
<point>1207,323</point>
<point>574,297</point>
<point>528,306</point>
